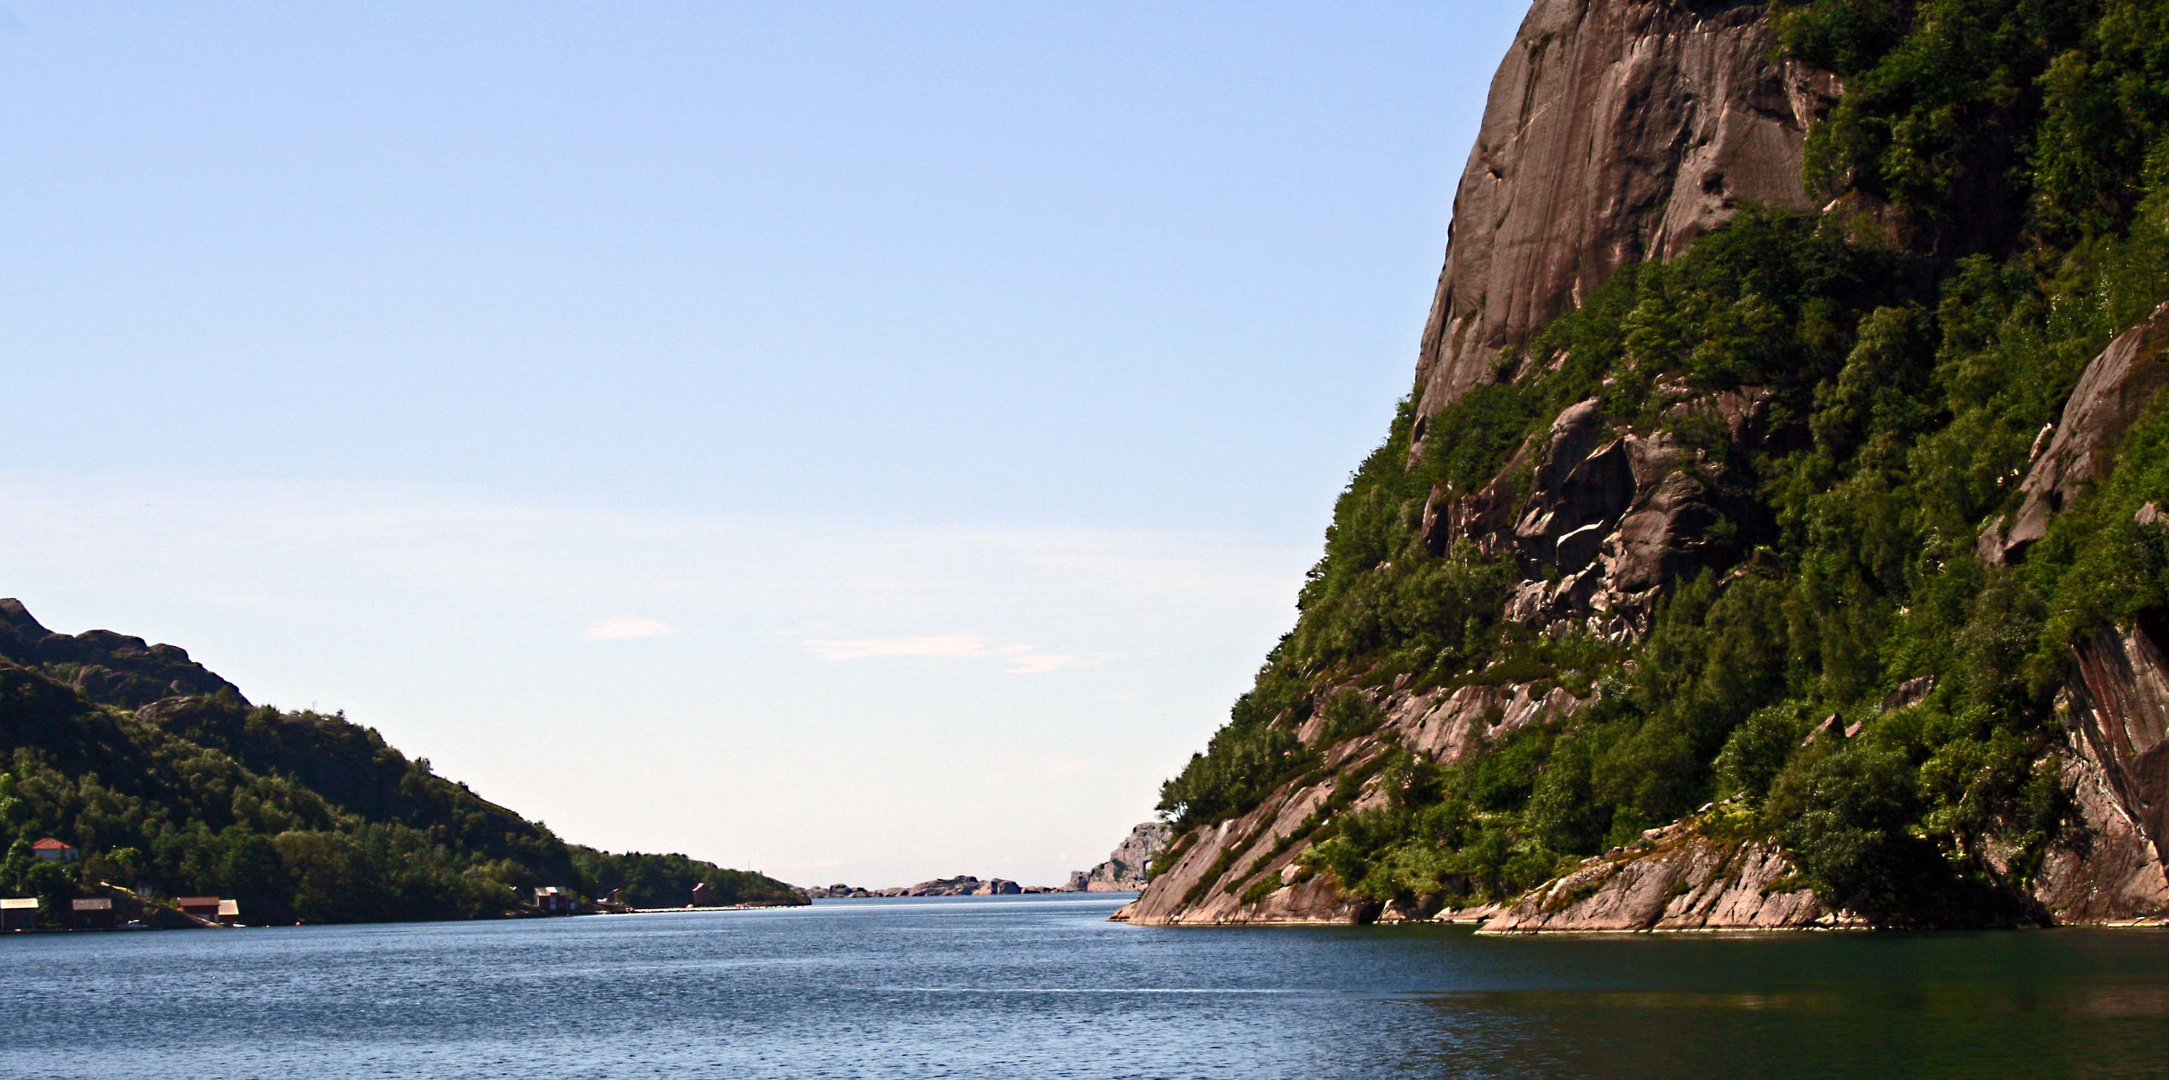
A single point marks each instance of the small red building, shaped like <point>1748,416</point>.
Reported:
<point>202,907</point>
<point>550,900</point>
<point>210,908</point>
<point>52,850</point>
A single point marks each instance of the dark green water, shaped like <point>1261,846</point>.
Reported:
<point>1045,987</point>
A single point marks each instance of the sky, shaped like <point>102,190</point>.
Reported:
<point>858,442</point>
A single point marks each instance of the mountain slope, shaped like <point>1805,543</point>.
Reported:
<point>168,781</point>
<point>1802,534</point>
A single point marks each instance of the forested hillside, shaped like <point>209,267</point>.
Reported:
<point>1800,539</point>
<point>170,783</point>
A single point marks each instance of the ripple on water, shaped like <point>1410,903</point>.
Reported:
<point>1046,987</point>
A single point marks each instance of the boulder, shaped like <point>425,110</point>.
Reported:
<point>2110,394</point>
<point>1908,693</point>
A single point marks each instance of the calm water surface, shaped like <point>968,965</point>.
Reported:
<point>1046,987</point>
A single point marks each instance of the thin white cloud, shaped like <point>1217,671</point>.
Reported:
<point>1022,659</point>
<point>950,647</point>
<point>624,628</point>
<point>1042,664</point>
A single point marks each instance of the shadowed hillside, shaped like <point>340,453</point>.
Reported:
<point>167,781</point>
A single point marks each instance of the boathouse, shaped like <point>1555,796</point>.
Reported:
<point>229,912</point>
<point>202,907</point>
<point>94,914</point>
<point>19,913</point>
<point>551,900</point>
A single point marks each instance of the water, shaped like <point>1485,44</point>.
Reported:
<point>1045,987</point>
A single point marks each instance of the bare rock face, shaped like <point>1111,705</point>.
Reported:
<point>109,668</point>
<point>2109,866</point>
<point>1909,693</point>
<point>2121,707</point>
<point>1612,515</point>
<point>2111,392</point>
<point>1126,866</point>
<point>1245,871</point>
<point>2102,868</point>
<point>1616,130</point>
<point>1215,866</point>
<point>1676,879</point>
<point>1446,726</point>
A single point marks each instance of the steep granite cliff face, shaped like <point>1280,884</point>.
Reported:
<point>1616,130</point>
<point>2109,866</point>
<point>1858,547</point>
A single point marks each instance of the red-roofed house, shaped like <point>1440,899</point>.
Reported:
<point>52,850</point>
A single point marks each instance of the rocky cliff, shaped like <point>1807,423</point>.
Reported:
<point>1712,494</point>
<point>2111,394</point>
<point>106,666</point>
<point>2111,863</point>
<point>1126,866</point>
<point>1245,869</point>
<point>1676,878</point>
<point>1614,132</point>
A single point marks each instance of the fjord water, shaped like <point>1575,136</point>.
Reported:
<point>1046,987</point>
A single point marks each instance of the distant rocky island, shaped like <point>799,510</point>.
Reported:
<point>1124,871</point>
<point>962,885</point>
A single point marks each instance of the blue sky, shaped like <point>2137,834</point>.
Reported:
<point>863,442</point>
